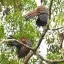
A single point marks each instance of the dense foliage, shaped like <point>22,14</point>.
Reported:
<point>14,22</point>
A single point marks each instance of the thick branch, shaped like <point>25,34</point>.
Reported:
<point>42,36</point>
<point>36,47</point>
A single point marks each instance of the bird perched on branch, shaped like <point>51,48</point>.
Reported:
<point>22,51</point>
<point>41,11</point>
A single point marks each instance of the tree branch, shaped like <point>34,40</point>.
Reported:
<point>7,40</point>
<point>28,57</point>
<point>29,54</point>
<point>47,27</point>
<point>50,7</point>
<point>42,36</point>
<point>36,47</point>
<point>56,28</point>
<point>49,61</point>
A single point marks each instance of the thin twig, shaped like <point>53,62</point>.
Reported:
<point>7,40</point>
<point>48,60</point>
<point>56,28</point>
<point>50,7</point>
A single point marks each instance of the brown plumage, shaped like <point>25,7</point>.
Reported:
<point>22,51</point>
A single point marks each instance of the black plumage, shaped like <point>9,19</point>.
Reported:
<point>42,19</point>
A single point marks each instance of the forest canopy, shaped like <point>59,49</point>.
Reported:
<point>13,22</point>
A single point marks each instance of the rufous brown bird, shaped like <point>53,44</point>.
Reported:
<point>41,12</point>
<point>22,51</point>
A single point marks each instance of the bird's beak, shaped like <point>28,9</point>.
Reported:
<point>31,14</point>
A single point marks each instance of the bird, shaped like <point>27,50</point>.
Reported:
<point>41,12</point>
<point>22,51</point>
